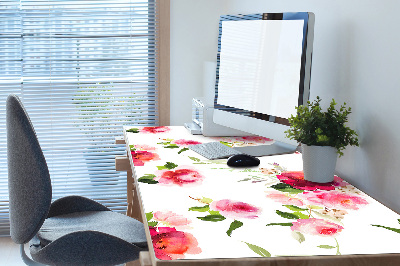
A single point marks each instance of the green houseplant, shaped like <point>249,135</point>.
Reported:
<point>319,130</point>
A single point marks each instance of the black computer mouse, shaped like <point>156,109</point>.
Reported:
<point>240,160</point>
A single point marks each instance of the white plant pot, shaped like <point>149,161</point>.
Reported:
<point>319,163</point>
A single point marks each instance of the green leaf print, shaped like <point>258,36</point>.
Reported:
<point>287,188</point>
<point>259,250</point>
<point>388,228</point>
<point>133,130</point>
<point>281,224</point>
<point>234,225</point>
<point>200,209</point>
<point>148,179</point>
<point>212,218</point>
<point>287,215</point>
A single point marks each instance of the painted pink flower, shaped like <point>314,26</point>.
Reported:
<point>154,129</point>
<point>144,147</point>
<point>171,219</point>
<point>185,143</point>
<point>315,226</point>
<point>338,182</point>
<point>283,198</point>
<point>235,209</point>
<point>296,180</point>
<point>140,157</point>
<point>334,199</point>
<point>170,244</point>
<point>255,139</point>
<point>179,176</point>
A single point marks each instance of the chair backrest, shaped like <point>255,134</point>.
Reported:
<point>29,183</point>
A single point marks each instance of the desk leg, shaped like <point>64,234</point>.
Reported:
<point>132,197</point>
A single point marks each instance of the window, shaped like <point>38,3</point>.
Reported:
<point>83,69</point>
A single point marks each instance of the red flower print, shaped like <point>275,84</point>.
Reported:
<point>179,176</point>
<point>140,157</point>
<point>235,209</point>
<point>334,199</point>
<point>154,130</point>
<point>315,226</point>
<point>296,180</point>
<point>170,244</point>
<point>185,143</point>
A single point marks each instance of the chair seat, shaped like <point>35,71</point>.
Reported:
<point>108,222</point>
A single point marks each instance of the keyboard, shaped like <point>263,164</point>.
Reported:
<point>214,150</point>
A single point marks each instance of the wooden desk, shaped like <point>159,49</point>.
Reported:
<point>202,212</point>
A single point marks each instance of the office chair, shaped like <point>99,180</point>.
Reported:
<point>70,231</point>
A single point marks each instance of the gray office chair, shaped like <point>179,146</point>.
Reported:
<point>70,231</point>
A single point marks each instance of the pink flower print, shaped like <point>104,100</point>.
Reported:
<point>154,130</point>
<point>140,157</point>
<point>284,199</point>
<point>296,180</point>
<point>171,219</point>
<point>254,139</point>
<point>185,143</point>
<point>315,226</point>
<point>338,182</point>
<point>170,244</point>
<point>179,176</point>
<point>334,199</point>
<point>235,209</point>
<point>144,147</point>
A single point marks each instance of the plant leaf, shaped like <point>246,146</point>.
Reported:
<point>326,246</point>
<point>259,250</point>
<point>200,209</point>
<point>234,225</point>
<point>298,236</point>
<point>212,218</point>
<point>287,215</point>
<point>388,228</point>
<point>281,224</point>
<point>294,208</point>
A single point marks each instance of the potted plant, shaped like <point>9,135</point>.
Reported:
<point>323,136</point>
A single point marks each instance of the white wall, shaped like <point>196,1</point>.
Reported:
<point>356,60</point>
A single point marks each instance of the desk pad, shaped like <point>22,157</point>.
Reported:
<point>203,209</point>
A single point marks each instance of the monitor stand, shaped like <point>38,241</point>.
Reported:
<point>275,148</point>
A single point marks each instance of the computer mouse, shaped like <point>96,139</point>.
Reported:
<point>240,160</point>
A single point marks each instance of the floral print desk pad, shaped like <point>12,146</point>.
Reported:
<point>202,209</point>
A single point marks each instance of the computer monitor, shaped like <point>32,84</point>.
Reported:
<point>263,72</point>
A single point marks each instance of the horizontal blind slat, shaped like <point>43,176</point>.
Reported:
<point>83,69</point>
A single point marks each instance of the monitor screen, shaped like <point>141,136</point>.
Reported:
<point>263,71</point>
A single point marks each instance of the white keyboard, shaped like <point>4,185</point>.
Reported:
<point>214,150</point>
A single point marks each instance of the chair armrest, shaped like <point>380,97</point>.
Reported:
<point>72,204</point>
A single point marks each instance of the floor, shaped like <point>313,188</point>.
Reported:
<point>9,253</point>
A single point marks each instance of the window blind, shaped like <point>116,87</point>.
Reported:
<point>83,69</point>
